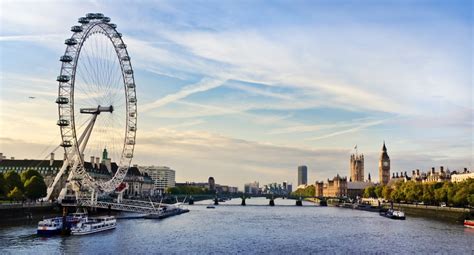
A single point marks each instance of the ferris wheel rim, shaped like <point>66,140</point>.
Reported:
<point>89,25</point>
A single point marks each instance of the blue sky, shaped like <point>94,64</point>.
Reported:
<point>249,90</point>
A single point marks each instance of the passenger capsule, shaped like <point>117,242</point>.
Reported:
<point>117,35</point>
<point>113,25</point>
<point>66,144</point>
<point>65,58</point>
<point>62,100</point>
<point>70,41</point>
<point>63,78</point>
<point>99,16</point>
<point>125,58</point>
<point>76,29</point>
<point>132,100</point>
<point>128,155</point>
<point>129,71</point>
<point>83,20</point>
<point>130,85</point>
<point>106,19</point>
<point>63,123</point>
<point>130,142</point>
<point>91,16</point>
<point>122,46</point>
<point>132,115</point>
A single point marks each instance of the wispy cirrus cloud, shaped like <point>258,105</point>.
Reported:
<point>201,86</point>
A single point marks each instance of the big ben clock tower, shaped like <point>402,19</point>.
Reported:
<point>384,166</point>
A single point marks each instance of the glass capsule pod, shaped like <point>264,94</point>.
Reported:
<point>76,29</point>
<point>63,123</point>
<point>62,100</point>
<point>70,41</point>
<point>63,78</point>
<point>65,58</point>
<point>83,20</point>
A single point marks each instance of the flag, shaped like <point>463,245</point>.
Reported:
<point>355,147</point>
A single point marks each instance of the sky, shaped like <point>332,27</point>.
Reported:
<point>249,90</point>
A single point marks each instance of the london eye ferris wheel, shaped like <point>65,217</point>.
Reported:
<point>97,102</point>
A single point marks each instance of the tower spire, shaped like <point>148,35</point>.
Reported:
<point>384,149</point>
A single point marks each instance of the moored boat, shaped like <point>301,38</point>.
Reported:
<point>58,225</point>
<point>469,223</point>
<point>393,214</point>
<point>94,225</point>
<point>48,227</point>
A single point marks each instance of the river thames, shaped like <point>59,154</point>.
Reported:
<point>230,228</point>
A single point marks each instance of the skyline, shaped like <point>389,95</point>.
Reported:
<point>250,97</point>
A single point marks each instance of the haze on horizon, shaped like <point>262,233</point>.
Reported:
<point>249,90</point>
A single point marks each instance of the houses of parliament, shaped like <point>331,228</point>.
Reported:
<point>357,167</point>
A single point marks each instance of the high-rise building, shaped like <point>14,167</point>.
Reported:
<point>302,175</point>
<point>162,176</point>
<point>357,168</point>
<point>384,166</point>
<point>252,188</point>
<point>212,183</point>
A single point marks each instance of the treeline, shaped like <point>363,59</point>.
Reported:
<point>456,194</point>
<point>27,185</point>
<point>309,191</point>
<point>188,190</point>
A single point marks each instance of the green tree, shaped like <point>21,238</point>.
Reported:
<point>378,191</point>
<point>26,175</point>
<point>441,194</point>
<point>3,186</point>
<point>15,194</point>
<point>13,180</point>
<point>309,191</point>
<point>387,193</point>
<point>35,188</point>
<point>369,192</point>
<point>428,194</point>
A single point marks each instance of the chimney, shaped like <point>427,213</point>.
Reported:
<point>432,170</point>
<point>441,169</point>
<point>51,159</point>
<point>396,175</point>
<point>465,170</point>
<point>12,158</point>
<point>97,162</point>
<point>92,161</point>
<point>413,173</point>
<point>418,172</point>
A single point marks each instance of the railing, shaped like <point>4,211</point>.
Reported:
<point>121,207</point>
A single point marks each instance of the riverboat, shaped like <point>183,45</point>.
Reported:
<point>168,211</point>
<point>54,226</point>
<point>48,227</point>
<point>469,223</point>
<point>94,225</point>
<point>393,214</point>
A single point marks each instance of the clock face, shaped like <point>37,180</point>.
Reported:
<point>385,163</point>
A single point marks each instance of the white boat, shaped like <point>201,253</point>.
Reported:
<point>50,226</point>
<point>94,225</point>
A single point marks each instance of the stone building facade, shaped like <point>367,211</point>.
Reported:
<point>357,168</point>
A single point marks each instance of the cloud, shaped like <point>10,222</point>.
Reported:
<point>349,130</point>
<point>203,85</point>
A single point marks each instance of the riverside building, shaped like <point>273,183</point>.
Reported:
<point>163,177</point>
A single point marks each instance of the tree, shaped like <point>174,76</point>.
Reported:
<point>3,186</point>
<point>428,194</point>
<point>378,191</point>
<point>369,192</point>
<point>15,194</point>
<point>13,180</point>
<point>387,193</point>
<point>25,176</point>
<point>35,188</point>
